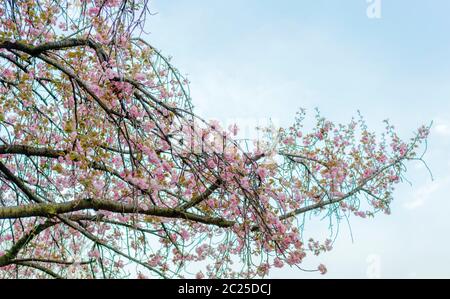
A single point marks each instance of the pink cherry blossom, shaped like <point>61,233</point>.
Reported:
<point>322,269</point>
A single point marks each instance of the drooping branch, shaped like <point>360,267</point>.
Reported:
<point>40,268</point>
<point>11,254</point>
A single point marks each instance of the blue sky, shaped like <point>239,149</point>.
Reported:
<point>252,60</point>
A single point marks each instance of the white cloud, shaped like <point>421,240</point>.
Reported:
<point>442,127</point>
<point>227,95</point>
<point>425,193</point>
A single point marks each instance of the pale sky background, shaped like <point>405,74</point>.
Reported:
<point>251,60</point>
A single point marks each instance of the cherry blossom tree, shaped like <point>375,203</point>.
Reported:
<point>107,172</point>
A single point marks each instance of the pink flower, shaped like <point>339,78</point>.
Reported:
<point>134,111</point>
<point>322,269</point>
<point>155,261</point>
<point>245,183</point>
<point>360,214</point>
<point>281,196</point>
<point>234,129</point>
<point>293,258</point>
<point>184,234</point>
<point>98,185</point>
<point>368,172</point>
<point>423,132</point>
<point>94,254</point>
<point>93,11</point>
<point>277,263</point>
<point>140,77</point>
<point>263,269</point>
<point>403,149</point>
<point>110,74</point>
<point>382,159</point>
<point>289,141</point>
<point>117,161</point>
<point>148,126</point>
<point>119,264</point>
<point>211,164</point>
<point>8,74</point>
<point>214,124</point>
<point>262,172</point>
<point>122,218</point>
<point>394,178</point>
<point>141,276</point>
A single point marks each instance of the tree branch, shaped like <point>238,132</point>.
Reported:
<point>54,209</point>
